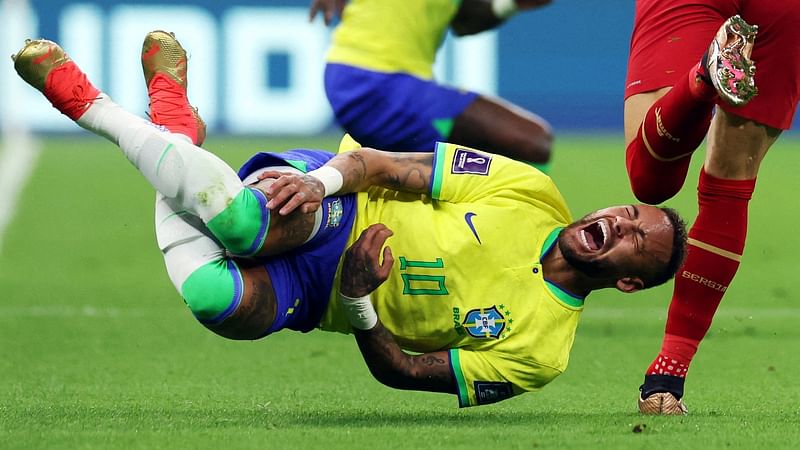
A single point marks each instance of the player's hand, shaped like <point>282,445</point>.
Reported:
<point>329,8</point>
<point>362,271</point>
<point>290,191</point>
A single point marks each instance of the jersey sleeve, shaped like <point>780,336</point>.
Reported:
<point>483,377</point>
<point>461,174</point>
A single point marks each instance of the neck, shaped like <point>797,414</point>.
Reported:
<point>556,269</point>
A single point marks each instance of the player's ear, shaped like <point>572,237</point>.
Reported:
<point>630,284</point>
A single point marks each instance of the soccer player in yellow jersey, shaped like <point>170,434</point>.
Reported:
<point>469,259</point>
<point>379,78</point>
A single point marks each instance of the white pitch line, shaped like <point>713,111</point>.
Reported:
<point>68,311</point>
<point>18,157</point>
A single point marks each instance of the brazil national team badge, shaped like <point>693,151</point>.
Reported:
<point>469,161</point>
<point>485,323</point>
<point>335,212</point>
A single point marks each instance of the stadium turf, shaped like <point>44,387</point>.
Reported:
<point>99,352</point>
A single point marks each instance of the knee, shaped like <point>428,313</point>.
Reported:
<point>243,225</point>
<point>213,292</point>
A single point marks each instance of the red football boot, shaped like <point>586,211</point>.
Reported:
<point>164,65</point>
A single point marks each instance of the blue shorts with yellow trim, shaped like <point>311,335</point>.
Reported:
<point>393,111</point>
<point>303,278</point>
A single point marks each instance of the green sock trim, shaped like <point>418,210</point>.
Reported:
<point>214,291</point>
<point>243,225</point>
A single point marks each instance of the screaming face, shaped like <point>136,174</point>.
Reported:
<point>632,240</point>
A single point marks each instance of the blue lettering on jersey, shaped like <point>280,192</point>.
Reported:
<point>469,161</point>
<point>484,323</point>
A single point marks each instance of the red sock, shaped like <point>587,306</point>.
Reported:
<point>673,128</point>
<point>716,242</point>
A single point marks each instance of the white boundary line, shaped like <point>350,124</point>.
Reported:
<point>18,158</point>
<point>19,151</point>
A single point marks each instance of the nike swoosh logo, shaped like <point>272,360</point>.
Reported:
<point>468,218</point>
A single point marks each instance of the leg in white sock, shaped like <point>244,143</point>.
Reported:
<point>194,179</point>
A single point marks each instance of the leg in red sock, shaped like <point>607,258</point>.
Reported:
<point>716,243</point>
<point>674,126</point>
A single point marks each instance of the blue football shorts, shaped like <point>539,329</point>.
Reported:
<point>393,111</point>
<point>303,278</point>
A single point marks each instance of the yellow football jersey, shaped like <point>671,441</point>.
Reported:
<point>467,275</point>
<point>392,35</point>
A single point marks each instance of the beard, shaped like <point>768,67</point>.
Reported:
<point>589,266</point>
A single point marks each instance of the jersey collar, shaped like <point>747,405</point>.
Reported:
<point>564,296</point>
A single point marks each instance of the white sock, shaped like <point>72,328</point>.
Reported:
<point>184,240</point>
<point>195,179</point>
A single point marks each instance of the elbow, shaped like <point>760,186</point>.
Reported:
<point>396,376</point>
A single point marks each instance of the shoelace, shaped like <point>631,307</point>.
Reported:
<point>70,91</point>
<point>168,102</point>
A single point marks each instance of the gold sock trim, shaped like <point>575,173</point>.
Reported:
<point>715,250</point>
<point>656,156</point>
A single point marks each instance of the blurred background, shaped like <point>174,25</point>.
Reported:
<point>256,66</point>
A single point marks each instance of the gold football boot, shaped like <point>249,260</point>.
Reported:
<point>44,65</point>
<point>164,64</point>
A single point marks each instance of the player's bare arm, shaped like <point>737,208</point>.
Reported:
<point>407,172</point>
<point>359,170</point>
<point>395,368</point>
<point>362,273</point>
<point>475,16</point>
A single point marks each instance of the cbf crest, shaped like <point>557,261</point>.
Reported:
<point>335,213</point>
<point>485,323</point>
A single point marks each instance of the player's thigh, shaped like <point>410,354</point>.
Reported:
<point>737,145</point>
<point>493,121</point>
<point>636,106</point>
<point>393,111</point>
<point>668,38</point>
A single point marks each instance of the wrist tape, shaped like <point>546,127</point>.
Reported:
<point>330,178</point>
<point>359,311</point>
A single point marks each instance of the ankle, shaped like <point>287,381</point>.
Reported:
<point>700,85</point>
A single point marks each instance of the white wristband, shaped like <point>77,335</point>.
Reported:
<point>503,9</point>
<point>359,311</point>
<point>330,177</point>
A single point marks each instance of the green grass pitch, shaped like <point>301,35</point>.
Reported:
<point>98,351</point>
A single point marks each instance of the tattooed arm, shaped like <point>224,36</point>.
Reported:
<point>360,170</point>
<point>362,273</point>
<point>395,368</point>
<point>364,168</point>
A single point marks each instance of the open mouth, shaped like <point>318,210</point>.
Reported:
<point>594,235</point>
